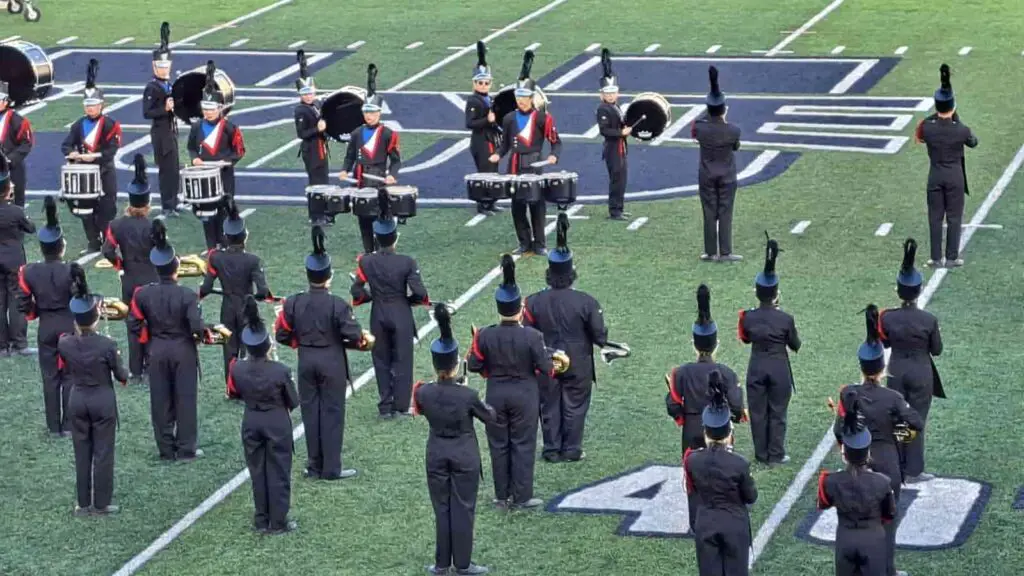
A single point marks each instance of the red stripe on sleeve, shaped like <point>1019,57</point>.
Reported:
<point>209,262</point>
<point>881,330</point>
<point>674,394</point>
<point>231,390</point>
<point>23,285</point>
<point>393,142</point>
<point>919,132</point>
<point>474,348</point>
<point>823,501</point>
<point>687,480</point>
<point>740,332</point>
<point>693,129</point>
<point>526,311</point>
<point>60,362</point>
<point>25,132</point>
<point>416,410</point>
<point>115,132</point>
<point>238,142</point>
<point>840,409</point>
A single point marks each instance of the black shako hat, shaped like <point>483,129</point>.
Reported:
<point>871,353</point>
<point>318,262</point>
<point>716,417</point>
<point>84,305</point>
<point>445,348</point>
<point>508,296</point>
<point>705,331</point>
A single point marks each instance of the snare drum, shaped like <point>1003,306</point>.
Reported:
<point>403,200</point>
<point>203,189</point>
<point>561,188</point>
<point>364,203</point>
<point>329,199</point>
<point>81,187</point>
<point>486,186</point>
<point>528,188</point>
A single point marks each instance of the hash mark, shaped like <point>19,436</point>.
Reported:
<point>636,224</point>
<point>355,45</point>
<point>295,45</point>
<point>713,49</point>
<point>124,41</point>
<point>652,48</point>
<point>838,50</point>
<point>800,227</point>
<point>592,47</point>
<point>900,51</point>
<point>533,46</point>
<point>476,220</point>
<point>884,229</point>
<point>63,41</point>
<point>414,45</point>
<point>238,43</point>
<point>964,51</point>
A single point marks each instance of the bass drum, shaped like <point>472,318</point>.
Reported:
<point>657,111</point>
<point>27,70</point>
<point>343,112</point>
<point>187,92</point>
<point>505,102</point>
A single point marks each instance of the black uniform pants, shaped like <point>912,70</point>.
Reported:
<point>512,438</point>
<point>616,164</point>
<point>322,380</point>
<point>213,229</point>
<point>95,224</point>
<point>716,200</point>
<point>920,399</point>
<point>56,391</point>
<point>232,310</point>
<point>93,427</point>
<point>945,203</point>
<point>267,442</point>
<point>453,484</point>
<point>366,233</point>
<point>137,351</point>
<point>769,388</point>
<point>529,222</point>
<point>885,459</point>
<point>13,326</point>
<point>861,552</point>
<point>173,392</point>
<point>392,358</point>
<point>481,151</point>
<point>165,154</point>
<point>723,543</point>
<point>18,181</point>
<point>564,406</point>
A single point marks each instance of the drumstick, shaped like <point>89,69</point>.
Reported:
<point>372,177</point>
<point>540,164</point>
<point>642,118</point>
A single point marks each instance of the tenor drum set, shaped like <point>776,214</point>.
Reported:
<point>362,202</point>
<point>558,188</point>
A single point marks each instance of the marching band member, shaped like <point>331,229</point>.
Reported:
<point>573,321</point>
<point>769,331</point>
<point>945,136</point>
<point>453,454</point>
<point>510,355</point>
<point>166,316</point>
<point>322,327</point>
<point>914,337</point>
<point>373,150</point>
<point>395,287</point>
<point>158,107</point>
<point>45,294</point>
<point>309,127</point>
<point>239,272</point>
<point>718,141</point>
<point>96,133</point>
<point>216,139</point>
<point>481,121</point>
<point>614,130</point>
<point>88,360</point>
<point>267,389</point>
<point>862,498</point>
<point>524,132</point>
<point>724,489</point>
<point>126,246</point>
<point>885,411</point>
<point>16,141</point>
<point>13,227</point>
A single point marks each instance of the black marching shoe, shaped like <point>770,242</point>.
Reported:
<point>290,526</point>
<point>495,209</point>
<point>500,504</point>
<point>531,503</point>
<point>112,509</point>
<point>82,512</point>
<point>137,380</point>
<point>552,457</point>
<point>709,257</point>
<point>310,475</point>
<point>348,473</point>
<point>386,416</point>
<point>259,529</point>
<point>190,457</point>
<point>432,569</point>
<point>540,250</point>
<point>471,570</point>
<point>521,251</point>
<point>619,216</point>
<point>401,415</point>
<point>481,209</point>
<point>730,258</point>
<point>5,353</point>
<point>573,456</point>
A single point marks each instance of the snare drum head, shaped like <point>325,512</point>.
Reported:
<point>402,190</point>
<point>200,171</point>
<point>323,189</point>
<point>366,193</point>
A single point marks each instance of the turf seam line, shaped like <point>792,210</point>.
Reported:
<point>803,29</point>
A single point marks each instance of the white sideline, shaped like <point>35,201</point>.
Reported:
<point>803,29</point>
<point>792,494</point>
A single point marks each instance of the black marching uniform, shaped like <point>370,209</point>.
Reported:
<point>101,135</point>
<point>945,138</point>
<point>769,331</point>
<point>313,148</point>
<point>87,362</point>
<point>724,489</point>
<point>13,227</point>
<point>45,295</point>
<point>863,501</point>
<point>267,389</point>
<point>164,129</point>
<point>322,327</point>
<point>240,274</point>
<point>914,337</point>
<point>453,454</point>
<point>883,410</point>
<point>511,357</point>
<point>610,122</point>
<point>571,321</point>
<point>716,176</point>
<point>166,316</point>
<point>126,245</point>
<point>16,141</point>
<point>485,135</point>
<point>221,141</point>
<point>395,287</point>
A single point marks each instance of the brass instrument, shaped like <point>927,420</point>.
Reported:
<point>113,309</point>
<point>191,266</point>
<point>217,335</point>
<point>561,361</point>
<point>104,264</point>
<point>613,351</point>
<point>902,432</point>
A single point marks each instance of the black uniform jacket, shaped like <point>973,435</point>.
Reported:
<point>721,478</point>
<point>126,245</point>
<point>509,352</point>
<point>154,97</point>
<point>914,337</point>
<point>610,122</point>
<point>862,500</point>
<point>105,139</point>
<point>316,318</point>
<point>45,288</point>
<point>16,138</point>
<point>262,384</point>
<point>13,227</point>
<point>450,409</point>
<point>945,139</point>
<point>718,141</point>
<point>224,142</point>
<point>165,311</point>
<point>571,321</point>
<point>239,272</point>
<point>393,278</point>
<point>882,409</point>
<point>378,155</point>
<point>314,142</point>
<point>688,390</point>
<point>90,360</point>
<point>484,133</point>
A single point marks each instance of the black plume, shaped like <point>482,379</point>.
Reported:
<point>140,169</point>
<point>771,253</point>
<point>444,321</point>
<point>90,73</point>
<point>944,77</point>
<point>165,36</point>
<point>481,53</point>
<point>716,390</point>
<point>606,62</point>
<point>524,72</point>
<point>50,209</point>
<point>713,77</point>
<point>303,67</point>
<point>232,209</point>
<point>853,419</point>
<point>79,287</point>
<point>871,320</point>
<point>252,314</point>
<point>211,81</point>
<point>562,233</point>
<point>508,270</point>
<point>703,305</point>
<point>909,254</point>
<point>371,80</point>
<point>383,205</point>
<point>158,234</point>
<point>319,241</point>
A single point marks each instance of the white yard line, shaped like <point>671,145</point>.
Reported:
<point>414,45</point>
<point>497,33</point>
<point>124,41</point>
<point>246,213</point>
<point>810,468</point>
<point>476,220</point>
<point>224,491</point>
<point>713,49</point>
<point>800,227</point>
<point>803,29</point>
<point>636,224</point>
<point>9,39</point>
<point>901,50</point>
<point>63,41</point>
<point>231,24</point>
<point>355,45</point>
<point>884,229</point>
<point>856,74</point>
<point>652,47</point>
<point>533,46</point>
<point>681,123</point>
<point>573,74</point>
<point>293,69</point>
<point>592,47</point>
<point>239,42</point>
<point>964,51</point>
<point>298,44</point>
<point>281,150</point>
<point>837,50</point>
<point>773,54</point>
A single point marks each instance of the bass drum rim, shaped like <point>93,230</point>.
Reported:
<point>335,113</point>
<point>187,92</point>
<point>505,102</point>
<point>658,111</point>
<point>39,73</point>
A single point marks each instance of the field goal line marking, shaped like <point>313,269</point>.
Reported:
<point>224,491</point>
<point>796,488</point>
